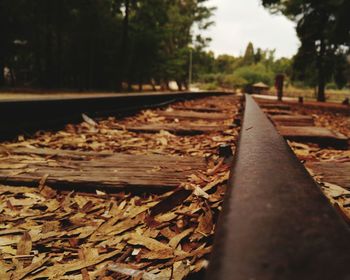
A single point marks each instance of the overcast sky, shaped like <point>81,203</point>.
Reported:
<point>239,21</point>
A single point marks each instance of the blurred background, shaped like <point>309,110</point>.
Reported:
<point>152,45</point>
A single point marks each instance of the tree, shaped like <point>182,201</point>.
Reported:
<point>254,74</point>
<point>99,44</point>
<point>182,16</point>
<point>341,72</point>
<point>283,65</point>
<point>204,62</point>
<point>323,28</point>
<point>12,35</point>
<point>249,56</point>
<point>225,63</point>
<point>258,55</point>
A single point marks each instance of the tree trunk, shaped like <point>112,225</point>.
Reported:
<point>321,73</point>
<point>163,86</point>
<point>12,76</point>
<point>59,15</point>
<point>48,47</point>
<point>153,83</point>
<point>140,86</point>
<point>179,85</point>
<point>167,84</point>
<point>186,85</point>
<point>2,77</point>
<point>123,53</point>
<point>91,65</point>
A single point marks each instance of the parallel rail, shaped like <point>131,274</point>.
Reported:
<point>276,223</point>
<point>27,116</point>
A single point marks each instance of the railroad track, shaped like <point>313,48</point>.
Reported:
<point>276,223</point>
<point>28,116</point>
<point>148,190</point>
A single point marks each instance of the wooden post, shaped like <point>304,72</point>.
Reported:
<point>279,79</point>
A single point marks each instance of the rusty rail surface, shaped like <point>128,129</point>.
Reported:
<point>276,223</point>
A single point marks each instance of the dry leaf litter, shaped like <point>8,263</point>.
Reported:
<point>338,195</point>
<point>49,233</point>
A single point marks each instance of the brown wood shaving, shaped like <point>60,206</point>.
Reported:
<point>58,233</point>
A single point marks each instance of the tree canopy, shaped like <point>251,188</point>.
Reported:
<point>256,65</point>
<point>323,27</point>
<point>98,44</point>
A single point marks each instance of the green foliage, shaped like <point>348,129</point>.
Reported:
<point>341,70</point>
<point>258,55</point>
<point>210,78</point>
<point>234,81</point>
<point>249,57</point>
<point>331,85</point>
<point>237,72</point>
<point>254,74</point>
<point>225,63</point>
<point>323,28</point>
<point>283,66</point>
<point>99,44</point>
<point>210,86</point>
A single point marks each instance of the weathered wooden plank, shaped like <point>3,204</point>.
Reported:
<point>96,164</point>
<point>81,183</point>
<point>53,152</point>
<point>309,131</point>
<point>120,159</point>
<point>277,112</point>
<point>115,171</point>
<point>313,134</point>
<point>178,114</point>
<point>293,120</point>
<point>274,106</point>
<point>184,129</point>
<point>117,159</point>
<point>201,109</point>
<point>332,172</point>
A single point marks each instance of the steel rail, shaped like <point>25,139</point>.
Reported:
<point>276,223</point>
<point>28,116</point>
